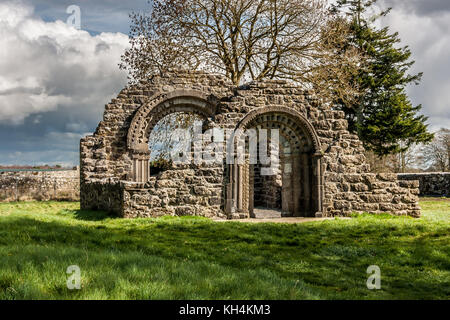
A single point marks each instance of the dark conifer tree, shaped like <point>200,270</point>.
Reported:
<point>382,115</point>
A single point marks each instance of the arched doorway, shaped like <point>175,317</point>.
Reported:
<point>271,195</point>
<point>293,185</point>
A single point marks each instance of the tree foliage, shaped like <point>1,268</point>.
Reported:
<point>243,40</point>
<point>382,114</point>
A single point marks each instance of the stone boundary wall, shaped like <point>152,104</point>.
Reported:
<point>430,184</point>
<point>61,185</point>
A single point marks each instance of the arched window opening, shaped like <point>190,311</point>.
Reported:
<point>169,138</point>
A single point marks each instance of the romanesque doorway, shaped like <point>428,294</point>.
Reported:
<point>271,195</point>
<point>290,187</point>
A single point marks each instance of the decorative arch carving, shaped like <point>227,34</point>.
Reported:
<point>289,121</point>
<point>148,115</point>
<point>161,105</point>
<point>297,137</point>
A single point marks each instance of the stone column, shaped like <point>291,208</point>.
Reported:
<point>141,167</point>
<point>306,185</point>
<point>296,185</point>
<point>229,209</point>
<point>317,160</point>
<point>286,188</point>
<point>235,186</point>
<point>240,193</point>
<point>251,190</point>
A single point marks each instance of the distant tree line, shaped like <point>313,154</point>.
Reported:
<point>39,167</point>
<point>431,157</point>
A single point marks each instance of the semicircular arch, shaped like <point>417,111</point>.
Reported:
<point>291,123</point>
<point>162,105</point>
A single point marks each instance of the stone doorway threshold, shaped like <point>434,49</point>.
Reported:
<point>292,220</point>
<point>264,215</point>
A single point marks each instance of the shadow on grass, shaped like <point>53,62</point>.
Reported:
<point>88,215</point>
<point>329,258</point>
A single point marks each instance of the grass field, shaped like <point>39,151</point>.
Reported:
<point>195,258</point>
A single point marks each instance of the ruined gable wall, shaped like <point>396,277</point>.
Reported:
<point>104,157</point>
<point>348,186</point>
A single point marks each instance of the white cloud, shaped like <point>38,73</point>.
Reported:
<point>36,158</point>
<point>47,66</point>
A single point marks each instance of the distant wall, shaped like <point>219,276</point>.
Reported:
<point>40,185</point>
<point>430,184</point>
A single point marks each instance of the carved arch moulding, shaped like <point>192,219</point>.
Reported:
<point>290,118</point>
<point>148,115</point>
<point>161,105</point>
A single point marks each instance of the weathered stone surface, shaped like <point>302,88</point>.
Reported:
<point>429,184</point>
<point>387,177</point>
<point>40,185</point>
<point>327,174</point>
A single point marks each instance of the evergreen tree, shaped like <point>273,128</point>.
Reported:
<point>382,114</point>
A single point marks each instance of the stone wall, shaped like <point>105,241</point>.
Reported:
<point>267,189</point>
<point>430,184</point>
<point>183,190</point>
<point>373,193</point>
<point>40,185</point>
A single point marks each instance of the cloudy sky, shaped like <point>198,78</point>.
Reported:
<point>55,79</point>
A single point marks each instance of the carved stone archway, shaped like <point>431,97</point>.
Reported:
<point>306,181</point>
<point>146,118</point>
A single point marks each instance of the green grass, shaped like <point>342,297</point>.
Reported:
<point>195,258</point>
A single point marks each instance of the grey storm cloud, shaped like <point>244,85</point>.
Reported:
<point>425,27</point>
<point>421,7</point>
<point>97,16</point>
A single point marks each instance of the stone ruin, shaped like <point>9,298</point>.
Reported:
<point>322,169</point>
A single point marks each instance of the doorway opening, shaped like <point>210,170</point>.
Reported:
<point>294,189</point>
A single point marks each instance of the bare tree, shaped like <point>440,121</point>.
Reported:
<point>437,153</point>
<point>164,139</point>
<point>409,160</point>
<point>406,160</point>
<point>245,40</point>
